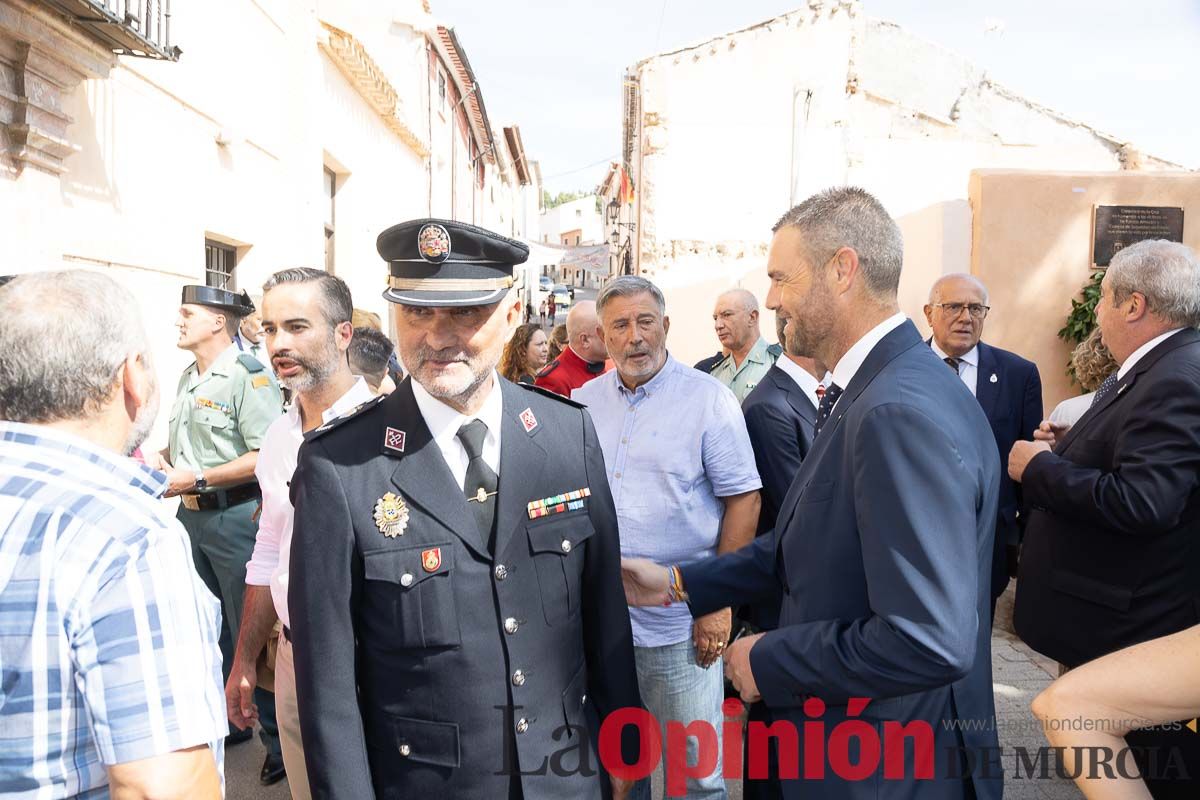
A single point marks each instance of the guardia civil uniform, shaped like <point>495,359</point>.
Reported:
<point>457,634</point>
<point>217,417</point>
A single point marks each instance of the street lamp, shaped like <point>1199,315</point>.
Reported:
<point>615,237</point>
<point>614,210</point>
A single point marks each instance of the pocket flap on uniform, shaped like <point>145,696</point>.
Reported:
<point>561,535</point>
<point>409,566</point>
<point>421,740</point>
<point>816,491</point>
<point>1117,598</point>
<point>575,697</point>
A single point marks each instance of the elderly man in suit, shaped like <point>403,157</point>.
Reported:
<point>883,544</point>
<point>455,591</point>
<point>1111,556</point>
<point>1008,388</point>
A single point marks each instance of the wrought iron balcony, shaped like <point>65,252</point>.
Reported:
<point>128,27</point>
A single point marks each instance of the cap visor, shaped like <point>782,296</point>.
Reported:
<point>435,299</point>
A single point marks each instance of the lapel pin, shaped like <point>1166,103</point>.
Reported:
<point>528,420</point>
<point>431,559</point>
<point>994,379</point>
<point>393,439</point>
<point>391,515</point>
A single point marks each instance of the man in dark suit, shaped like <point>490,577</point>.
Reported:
<point>1111,556</point>
<point>457,616</point>
<point>883,544</point>
<point>780,414</point>
<point>1008,388</point>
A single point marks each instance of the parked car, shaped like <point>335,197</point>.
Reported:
<point>562,297</point>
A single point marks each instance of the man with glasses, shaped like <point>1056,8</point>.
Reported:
<point>1007,387</point>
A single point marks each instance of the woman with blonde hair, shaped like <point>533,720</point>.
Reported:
<point>1093,363</point>
<point>525,354</point>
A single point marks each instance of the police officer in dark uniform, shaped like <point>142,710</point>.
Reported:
<point>460,626</point>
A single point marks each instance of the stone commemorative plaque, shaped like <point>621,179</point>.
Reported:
<point>1120,226</point>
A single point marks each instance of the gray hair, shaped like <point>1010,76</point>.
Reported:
<point>65,337</point>
<point>336,303</point>
<point>744,296</point>
<point>847,216</point>
<point>1166,273</point>
<point>934,291</point>
<point>627,286</point>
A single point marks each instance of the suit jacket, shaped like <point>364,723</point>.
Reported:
<point>883,551</point>
<point>1111,555</point>
<point>1013,406</point>
<point>424,665</point>
<point>780,419</point>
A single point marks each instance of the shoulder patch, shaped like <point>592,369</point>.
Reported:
<point>349,415</point>
<point>251,363</point>
<point>774,351</point>
<point>553,395</point>
<point>546,370</point>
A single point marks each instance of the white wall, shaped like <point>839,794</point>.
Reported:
<point>575,215</point>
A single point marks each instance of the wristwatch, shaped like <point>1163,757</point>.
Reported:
<point>201,482</point>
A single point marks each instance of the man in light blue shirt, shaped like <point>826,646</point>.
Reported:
<point>684,482</point>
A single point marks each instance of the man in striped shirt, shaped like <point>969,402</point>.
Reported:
<point>108,639</point>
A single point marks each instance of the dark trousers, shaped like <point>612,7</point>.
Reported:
<point>761,788</point>
<point>222,543</point>
<point>1169,761</point>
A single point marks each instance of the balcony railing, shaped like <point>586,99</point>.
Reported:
<point>129,27</point>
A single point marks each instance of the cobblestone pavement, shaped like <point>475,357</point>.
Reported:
<point>1018,674</point>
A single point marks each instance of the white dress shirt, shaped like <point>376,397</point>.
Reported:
<point>268,565</point>
<point>807,383</point>
<point>1136,355</point>
<point>443,422</point>
<point>968,367</point>
<point>852,361</point>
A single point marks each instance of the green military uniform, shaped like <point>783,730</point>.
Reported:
<point>218,417</point>
<point>743,378</point>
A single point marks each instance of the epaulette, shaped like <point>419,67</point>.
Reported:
<point>775,351</point>
<point>554,395</point>
<point>546,370</point>
<point>251,363</point>
<point>351,414</point>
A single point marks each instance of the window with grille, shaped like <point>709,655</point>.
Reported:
<point>220,261</point>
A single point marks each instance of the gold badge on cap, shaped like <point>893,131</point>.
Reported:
<point>433,242</point>
<point>391,515</point>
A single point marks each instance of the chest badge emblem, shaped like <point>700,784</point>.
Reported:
<point>393,439</point>
<point>391,515</point>
<point>528,420</point>
<point>431,559</point>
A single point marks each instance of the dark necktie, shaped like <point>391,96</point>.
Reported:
<point>1105,389</point>
<point>481,483</point>
<point>952,363</point>
<point>832,393</point>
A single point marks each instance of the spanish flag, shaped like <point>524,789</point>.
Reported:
<point>626,193</point>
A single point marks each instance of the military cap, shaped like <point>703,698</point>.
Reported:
<point>222,299</point>
<point>439,262</point>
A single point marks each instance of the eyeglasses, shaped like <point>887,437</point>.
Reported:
<point>977,310</point>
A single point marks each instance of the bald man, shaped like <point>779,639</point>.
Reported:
<point>584,357</point>
<point>1008,388</point>
<point>735,319</point>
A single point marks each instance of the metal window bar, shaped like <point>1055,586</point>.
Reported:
<point>219,264</point>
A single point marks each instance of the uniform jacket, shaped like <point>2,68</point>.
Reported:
<point>568,372</point>
<point>779,419</point>
<point>421,660</point>
<point>1111,555</point>
<point>882,549</point>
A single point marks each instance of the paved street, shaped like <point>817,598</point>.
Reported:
<point>1018,674</point>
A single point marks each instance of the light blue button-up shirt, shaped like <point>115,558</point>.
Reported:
<point>673,447</point>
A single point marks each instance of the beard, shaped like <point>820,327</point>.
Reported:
<point>315,368</point>
<point>458,380</point>
<point>142,423</point>
<point>809,325</point>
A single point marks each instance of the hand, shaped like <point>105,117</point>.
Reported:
<point>179,481</point>
<point>239,692</point>
<point>737,668</point>
<point>620,788</point>
<point>1051,432</point>
<point>154,460</point>
<point>646,583</point>
<point>710,633</point>
<point>1020,456</point>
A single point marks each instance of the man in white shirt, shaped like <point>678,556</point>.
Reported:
<point>249,338</point>
<point>308,331</point>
